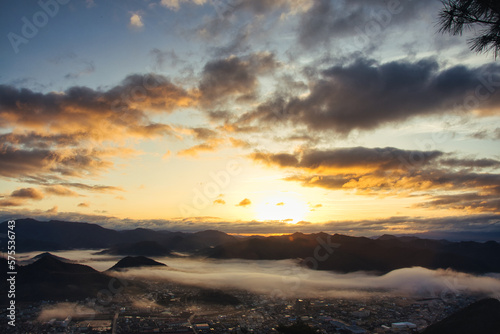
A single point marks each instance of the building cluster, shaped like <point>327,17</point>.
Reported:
<point>173,311</point>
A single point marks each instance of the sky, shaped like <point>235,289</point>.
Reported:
<point>247,116</point>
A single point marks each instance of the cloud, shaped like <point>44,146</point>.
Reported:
<point>471,163</point>
<point>175,5</point>
<point>212,141</point>
<point>392,171</point>
<point>231,18</point>
<point>41,141</point>
<point>162,57</point>
<point>84,205</point>
<point>28,193</point>
<point>487,135</point>
<point>366,95</point>
<point>136,21</point>
<point>234,77</point>
<point>239,143</point>
<point>53,210</point>
<point>167,155</point>
<point>209,146</point>
<point>60,190</point>
<point>266,6</point>
<point>467,224</point>
<point>280,204</point>
<point>358,22</point>
<point>94,188</point>
<point>349,158</point>
<point>11,202</point>
<point>89,68</point>
<point>76,133</point>
<point>474,202</point>
<point>204,133</point>
<point>219,201</point>
<point>244,203</point>
<point>100,115</point>
<point>280,159</point>
<point>20,197</point>
<point>16,163</point>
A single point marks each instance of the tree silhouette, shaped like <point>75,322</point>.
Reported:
<point>458,15</point>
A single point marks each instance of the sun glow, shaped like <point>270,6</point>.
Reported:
<point>283,207</point>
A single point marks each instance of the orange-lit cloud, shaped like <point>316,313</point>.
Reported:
<point>244,203</point>
<point>390,171</point>
<point>55,138</point>
<point>21,196</point>
<point>60,190</point>
<point>29,193</point>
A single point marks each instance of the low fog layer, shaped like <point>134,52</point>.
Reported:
<point>61,311</point>
<point>286,278</point>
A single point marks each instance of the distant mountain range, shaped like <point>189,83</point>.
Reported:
<point>318,250</point>
<point>457,236</point>
<point>144,248</point>
<point>34,235</point>
<point>347,254</point>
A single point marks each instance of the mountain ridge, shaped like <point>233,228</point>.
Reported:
<point>320,251</point>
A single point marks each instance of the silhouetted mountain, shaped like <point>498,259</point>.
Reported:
<point>461,236</point>
<point>33,235</point>
<point>176,241</point>
<point>383,254</point>
<point>51,279</point>
<point>135,262</point>
<point>480,317</point>
<point>41,255</point>
<point>212,237</point>
<point>400,238</point>
<point>192,242</point>
<point>347,254</point>
<point>144,248</point>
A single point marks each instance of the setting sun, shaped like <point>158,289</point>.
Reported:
<point>284,207</point>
